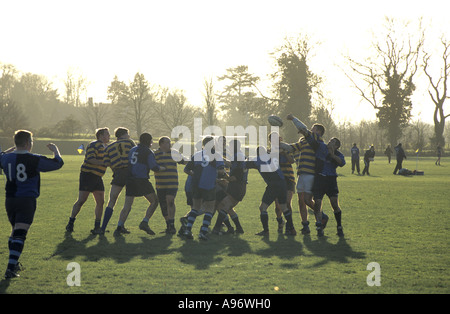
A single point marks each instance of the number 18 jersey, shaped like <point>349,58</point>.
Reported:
<point>22,170</point>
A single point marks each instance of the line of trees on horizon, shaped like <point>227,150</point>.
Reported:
<point>386,81</point>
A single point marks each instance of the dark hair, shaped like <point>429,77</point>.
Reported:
<point>99,132</point>
<point>119,132</point>
<point>320,127</point>
<point>145,139</point>
<point>337,141</point>
<point>206,140</point>
<point>22,138</point>
<point>162,139</point>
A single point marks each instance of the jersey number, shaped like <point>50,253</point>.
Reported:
<point>21,174</point>
<point>134,158</point>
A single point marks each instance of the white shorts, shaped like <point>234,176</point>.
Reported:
<point>305,183</point>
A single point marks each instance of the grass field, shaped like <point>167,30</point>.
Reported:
<point>399,222</point>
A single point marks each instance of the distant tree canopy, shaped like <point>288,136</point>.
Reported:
<point>293,82</point>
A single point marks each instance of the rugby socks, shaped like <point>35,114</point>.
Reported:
<point>107,217</point>
<point>15,245</point>
<point>288,216</point>
<point>236,221</point>
<point>191,219</point>
<point>206,222</point>
<point>97,223</point>
<point>337,216</point>
<point>264,216</point>
<point>220,218</point>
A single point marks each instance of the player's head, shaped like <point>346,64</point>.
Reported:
<point>318,128</point>
<point>334,142</point>
<point>164,143</point>
<point>102,134</point>
<point>146,139</point>
<point>206,140</point>
<point>121,132</point>
<point>354,144</point>
<point>23,140</point>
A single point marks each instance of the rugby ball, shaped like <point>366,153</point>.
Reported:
<point>275,120</point>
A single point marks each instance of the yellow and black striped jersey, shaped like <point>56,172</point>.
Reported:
<point>94,151</point>
<point>116,154</point>
<point>287,169</point>
<point>307,160</point>
<point>167,179</point>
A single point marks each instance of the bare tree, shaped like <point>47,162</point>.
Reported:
<point>438,91</point>
<point>387,82</point>
<point>76,85</point>
<point>174,111</point>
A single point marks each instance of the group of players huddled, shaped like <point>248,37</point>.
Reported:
<point>215,182</point>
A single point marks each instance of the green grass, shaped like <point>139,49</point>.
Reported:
<point>399,222</point>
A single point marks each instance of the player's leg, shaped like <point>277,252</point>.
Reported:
<point>113,196</point>
<point>20,215</point>
<point>76,208</point>
<point>128,203</point>
<point>99,197</point>
<point>153,201</point>
<point>209,206</point>
<point>170,201</point>
<point>334,201</point>
<point>264,217</point>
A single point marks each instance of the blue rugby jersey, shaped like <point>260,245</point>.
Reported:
<point>205,169</point>
<point>269,177</point>
<point>141,160</point>
<point>324,164</point>
<point>238,169</point>
<point>22,170</point>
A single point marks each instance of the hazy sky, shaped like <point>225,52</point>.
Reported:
<point>179,43</point>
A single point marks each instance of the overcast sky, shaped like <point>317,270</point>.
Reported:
<point>179,43</point>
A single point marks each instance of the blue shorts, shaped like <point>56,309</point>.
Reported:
<point>20,210</point>
<point>276,190</point>
<point>325,185</point>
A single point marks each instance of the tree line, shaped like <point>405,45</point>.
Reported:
<point>385,79</point>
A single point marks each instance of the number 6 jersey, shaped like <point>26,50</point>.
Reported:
<point>22,170</point>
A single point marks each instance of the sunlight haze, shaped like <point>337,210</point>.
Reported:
<point>178,44</point>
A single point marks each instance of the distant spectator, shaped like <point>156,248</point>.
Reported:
<point>368,157</point>
<point>400,153</point>
<point>388,152</point>
<point>355,158</point>
<point>439,154</point>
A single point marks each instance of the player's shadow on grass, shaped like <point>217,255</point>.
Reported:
<point>119,249</point>
<point>340,252</point>
<point>285,247</point>
<point>203,254</point>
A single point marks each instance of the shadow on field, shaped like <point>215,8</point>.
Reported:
<point>340,252</point>
<point>203,254</point>
<point>285,248</point>
<point>119,250</point>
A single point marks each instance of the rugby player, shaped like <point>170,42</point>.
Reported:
<point>235,190</point>
<point>167,181</point>
<point>204,167</point>
<point>141,160</point>
<point>116,157</point>
<point>22,170</point>
<point>328,158</point>
<point>276,189</point>
<point>306,173</point>
<point>92,171</point>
